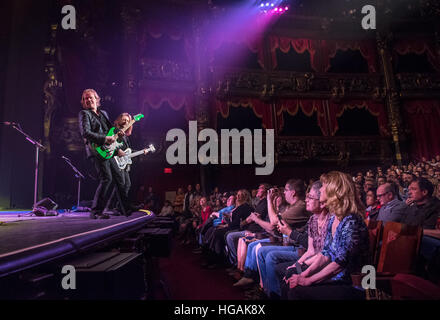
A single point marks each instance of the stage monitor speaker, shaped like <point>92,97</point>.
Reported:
<point>47,203</point>
<point>45,207</point>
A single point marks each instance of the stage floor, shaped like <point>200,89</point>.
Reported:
<point>20,232</point>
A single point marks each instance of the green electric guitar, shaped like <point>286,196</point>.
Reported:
<point>108,150</point>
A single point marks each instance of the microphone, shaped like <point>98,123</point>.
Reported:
<point>8,123</point>
<point>65,158</point>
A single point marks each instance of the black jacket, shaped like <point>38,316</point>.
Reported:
<point>92,130</point>
<point>425,215</point>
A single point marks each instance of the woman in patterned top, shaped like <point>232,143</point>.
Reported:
<point>345,251</point>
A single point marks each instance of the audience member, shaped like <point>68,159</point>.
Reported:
<point>327,275</point>
<point>424,209</point>
<point>373,205</point>
<point>312,239</point>
<point>167,209</point>
<point>296,216</point>
<point>392,209</point>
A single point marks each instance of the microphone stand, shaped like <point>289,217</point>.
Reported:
<point>38,147</point>
<point>78,175</point>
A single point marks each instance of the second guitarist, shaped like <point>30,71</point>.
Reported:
<point>121,121</point>
<point>94,125</point>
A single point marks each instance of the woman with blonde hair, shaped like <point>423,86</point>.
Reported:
<point>327,275</point>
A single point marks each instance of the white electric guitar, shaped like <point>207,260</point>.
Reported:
<point>122,162</point>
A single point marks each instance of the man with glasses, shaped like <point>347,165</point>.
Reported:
<point>392,209</point>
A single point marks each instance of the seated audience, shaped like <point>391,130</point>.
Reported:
<point>167,210</point>
<point>373,205</point>
<point>424,209</point>
<point>327,275</point>
<point>296,216</point>
<point>250,226</point>
<point>392,209</point>
<point>178,203</point>
<point>215,237</point>
<point>311,238</point>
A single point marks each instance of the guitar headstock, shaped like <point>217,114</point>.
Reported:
<point>151,148</point>
<point>138,117</point>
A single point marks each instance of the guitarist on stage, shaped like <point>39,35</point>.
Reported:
<point>94,125</point>
<point>121,121</point>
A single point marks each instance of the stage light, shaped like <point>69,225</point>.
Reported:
<point>273,7</point>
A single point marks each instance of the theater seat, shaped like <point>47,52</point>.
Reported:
<point>410,287</point>
<point>400,248</point>
<point>375,236</point>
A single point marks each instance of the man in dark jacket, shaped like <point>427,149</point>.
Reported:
<point>424,209</point>
<point>94,125</point>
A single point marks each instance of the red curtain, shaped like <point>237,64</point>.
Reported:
<point>423,119</point>
<point>308,107</point>
<point>299,45</point>
<point>176,100</point>
<point>376,109</point>
<point>366,48</point>
<point>418,46</point>
<point>261,109</point>
<point>321,51</point>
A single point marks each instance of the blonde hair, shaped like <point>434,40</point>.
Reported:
<point>98,98</point>
<point>116,123</point>
<point>342,196</point>
<point>247,195</point>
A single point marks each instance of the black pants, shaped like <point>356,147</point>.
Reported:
<point>326,291</point>
<point>108,172</point>
<point>330,290</point>
<point>114,197</point>
<point>217,240</point>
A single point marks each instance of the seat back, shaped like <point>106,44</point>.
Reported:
<point>410,287</point>
<point>375,236</point>
<point>400,248</point>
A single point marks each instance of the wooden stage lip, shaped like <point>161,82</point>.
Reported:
<point>26,243</point>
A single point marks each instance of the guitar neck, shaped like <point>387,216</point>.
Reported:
<point>135,154</point>
<point>126,127</point>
